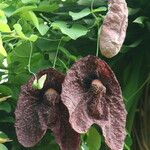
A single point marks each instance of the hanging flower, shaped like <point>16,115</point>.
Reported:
<point>113,29</point>
<point>92,95</point>
<point>41,109</point>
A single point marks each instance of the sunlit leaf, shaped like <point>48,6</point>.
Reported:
<point>100,9</point>
<point>3,18</point>
<point>140,20</point>
<point>4,98</point>
<point>18,30</point>
<point>81,14</point>
<point>38,84</point>
<point>88,2</point>
<point>31,16</point>
<point>4,140</point>
<point>24,9</point>
<point>73,32</point>
<point>2,49</point>
<point>3,147</point>
<point>4,27</point>
<point>3,5</point>
<point>30,1</point>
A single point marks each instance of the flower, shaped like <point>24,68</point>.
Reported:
<point>39,110</point>
<point>93,95</point>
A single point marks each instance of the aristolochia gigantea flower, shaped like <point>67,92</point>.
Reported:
<point>41,109</point>
<point>92,95</point>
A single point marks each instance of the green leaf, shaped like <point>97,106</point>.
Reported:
<point>31,16</point>
<point>4,98</point>
<point>41,81</point>
<point>140,20</point>
<point>5,90</point>
<point>128,142</point>
<point>84,146</point>
<point>3,135</point>
<point>100,9</point>
<point>38,84</point>
<point>30,1</point>
<point>2,49</point>
<point>88,2</point>
<point>24,9</point>
<point>43,28</point>
<point>133,11</point>
<point>4,140</point>
<point>7,119</point>
<point>9,10</point>
<point>18,30</point>
<point>4,27</point>
<point>81,14</point>
<point>85,12</point>
<point>93,139</point>
<point>4,106</point>
<point>33,38</point>
<point>45,6</point>
<point>73,32</point>
<point>3,18</point>
<point>3,147</point>
<point>3,5</point>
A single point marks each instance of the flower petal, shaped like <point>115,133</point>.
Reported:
<point>29,130</point>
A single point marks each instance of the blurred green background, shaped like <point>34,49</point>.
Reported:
<point>37,34</point>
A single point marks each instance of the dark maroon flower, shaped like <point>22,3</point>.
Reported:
<point>39,110</point>
<point>92,95</point>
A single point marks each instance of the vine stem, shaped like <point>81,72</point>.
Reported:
<point>29,62</point>
<point>55,59</point>
<point>98,36</point>
<point>97,22</point>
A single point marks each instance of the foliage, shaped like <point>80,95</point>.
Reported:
<point>37,34</point>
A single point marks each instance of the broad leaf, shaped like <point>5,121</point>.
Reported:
<point>3,18</point>
<point>30,1</point>
<point>3,147</point>
<point>140,20</point>
<point>81,14</point>
<point>5,107</point>
<point>93,139</point>
<point>18,30</point>
<point>4,27</point>
<point>4,98</point>
<point>73,32</point>
<point>2,49</point>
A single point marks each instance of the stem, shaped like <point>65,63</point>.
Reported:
<point>92,11</point>
<point>49,39</point>
<point>29,62</point>
<point>97,23</point>
<point>97,47</point>
<point>55,59</point>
